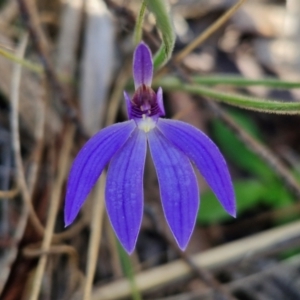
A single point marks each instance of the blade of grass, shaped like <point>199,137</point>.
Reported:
<point>239,81</point>
<point>238,100</point>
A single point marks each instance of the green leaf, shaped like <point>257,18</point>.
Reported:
<point>164,23</point>
<point>238,100</point>
<point>239,81</point>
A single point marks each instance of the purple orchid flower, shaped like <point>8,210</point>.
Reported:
<point>174,146</point>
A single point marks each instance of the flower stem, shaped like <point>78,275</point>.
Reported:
<point>129,272</point>
<point>138,30</point>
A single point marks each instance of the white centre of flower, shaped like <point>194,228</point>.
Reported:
<point>146,124</point>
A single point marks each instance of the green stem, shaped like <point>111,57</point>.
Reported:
<point>138,30</point>
<point>129,272</point>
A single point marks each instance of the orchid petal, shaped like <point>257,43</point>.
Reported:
<point>206,156</point>
<point>142,66</point>
<point>178,186</point>
<point>124,189</point>
<point>90,162</point>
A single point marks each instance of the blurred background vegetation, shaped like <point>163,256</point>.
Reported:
<point>63,67</point>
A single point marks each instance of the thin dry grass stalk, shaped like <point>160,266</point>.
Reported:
<point>26,189</point>
<point>94,241</point>
<point>208,32</point>
<point>14,123</point>
<point>63,164</point>
<point>98,205</point>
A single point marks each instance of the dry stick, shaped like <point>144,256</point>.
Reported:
<point>94,241</point>
<point>208,32</point>
<point>53,210</point>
